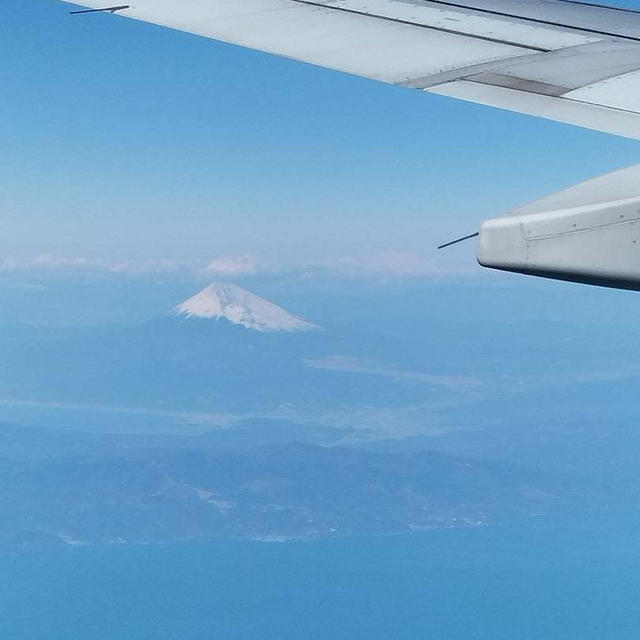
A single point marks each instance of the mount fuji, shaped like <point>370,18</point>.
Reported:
<point>240,307</point>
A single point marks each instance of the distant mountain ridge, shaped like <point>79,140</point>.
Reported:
<point>241,307</point>
<point>62,488</point>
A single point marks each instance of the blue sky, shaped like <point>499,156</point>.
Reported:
<point>122,140</point>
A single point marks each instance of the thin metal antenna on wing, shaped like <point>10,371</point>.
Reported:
<point>121,7</point>
<point>450,244</point>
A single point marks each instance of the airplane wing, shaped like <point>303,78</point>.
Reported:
<point>568,61</point>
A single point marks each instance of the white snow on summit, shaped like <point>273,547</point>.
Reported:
<point>239,306</point>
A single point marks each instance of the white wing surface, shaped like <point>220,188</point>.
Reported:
<point>568,61</point>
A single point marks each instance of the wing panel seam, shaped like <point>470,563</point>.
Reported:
<point>411,23</point>
<point>608,7</point>
<point>550,23</point>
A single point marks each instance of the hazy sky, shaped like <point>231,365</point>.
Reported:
<point>124,140</point>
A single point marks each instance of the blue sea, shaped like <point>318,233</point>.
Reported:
<point>544,580</point>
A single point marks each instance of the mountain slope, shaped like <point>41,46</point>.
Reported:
<point>241,307</point>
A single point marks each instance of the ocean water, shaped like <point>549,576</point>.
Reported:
<point>544,580</point>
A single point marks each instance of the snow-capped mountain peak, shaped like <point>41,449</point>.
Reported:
<point>239,306</point>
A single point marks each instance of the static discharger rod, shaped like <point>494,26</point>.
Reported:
<point>121,7</point>
<point>450,244</point>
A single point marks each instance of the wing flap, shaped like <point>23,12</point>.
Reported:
<point>619,92</point>
<point>574,67</point>
<point>582,114</point>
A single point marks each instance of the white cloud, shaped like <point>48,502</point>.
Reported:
<point>52,262</point>
<point>151,266</point>
<point>48,262</point>
<point>241,265</point>
<point>382,266</point>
